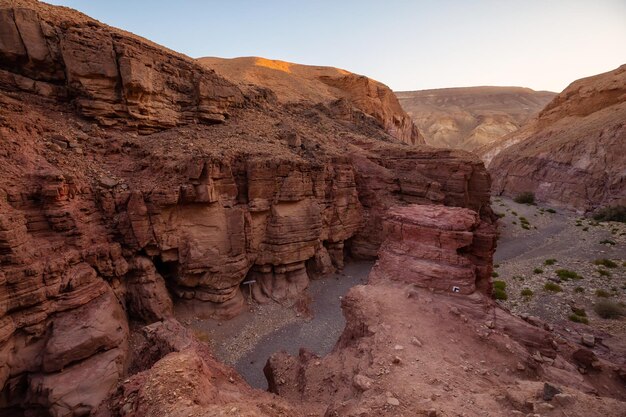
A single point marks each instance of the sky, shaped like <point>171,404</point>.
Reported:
<point>408,45</point>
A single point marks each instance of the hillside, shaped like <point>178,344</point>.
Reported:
<point>342,90</point>
<point>572,155</point>
<point>470,117</point>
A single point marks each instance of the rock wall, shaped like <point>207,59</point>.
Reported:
<point>413,345</point>
<point>573,154</point>
<point>109,75</point>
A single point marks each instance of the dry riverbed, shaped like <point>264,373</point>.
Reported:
<point>560,266</point>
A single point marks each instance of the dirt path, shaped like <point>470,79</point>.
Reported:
<point>247,341</point>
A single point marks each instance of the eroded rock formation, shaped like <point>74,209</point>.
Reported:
<point>413,345</point>
<point>573,154</point>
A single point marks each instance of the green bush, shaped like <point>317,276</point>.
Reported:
<point>566,274</point>
<point>578,319</point>
<point>604,272</point>
<point>579,289</point>
<point>605,262</point>
<point>527,292</point>
<point>499,294</point>
<point>525,226</point>
<point>611,214</point>
<point>525,198</point>
<point>607,242</point>
<point>550,261</point>
<point>608,309</point>
<point>579,311</point>
<point>551,286</point>
<point>500,215</point>
<point>500,285</point>
<point>538,271</point>
<point>602,293</point>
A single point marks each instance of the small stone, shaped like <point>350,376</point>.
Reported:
<point>431,413</point>
<point>108,182</point>
<point>393,401</point>
<point>549,391</point>
<point>490,324</point>
<point>397,360</point>
<point>542,408</point>
<point>520,366</point>
<point>415,341</point>
<point>398,347</point>
<point>564,399</point>
<point>588,340</point>
<point>362,382</point>
<point>455,311</point>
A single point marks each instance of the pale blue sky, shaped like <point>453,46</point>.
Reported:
<point>408,45</point>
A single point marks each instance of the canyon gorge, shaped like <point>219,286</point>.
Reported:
<point>137,182</point>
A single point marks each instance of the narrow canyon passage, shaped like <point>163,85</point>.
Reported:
<point>247,341</point>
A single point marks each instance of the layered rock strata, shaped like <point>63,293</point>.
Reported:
<point>414,345</point>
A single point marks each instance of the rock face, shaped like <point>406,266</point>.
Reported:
<point>414,346</point>
<point>350,97</point>
<point>471,117</point>
<point>573,154</point>
<point>109,75</point>
<point>132,177</point>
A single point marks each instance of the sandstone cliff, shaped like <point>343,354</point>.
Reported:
<point>471,117</point>
<point>350,96</point>
<point>132,177</point>
<point>463,355</point>
<point>573,154</point>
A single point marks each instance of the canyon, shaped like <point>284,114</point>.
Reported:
<point>136,182</point>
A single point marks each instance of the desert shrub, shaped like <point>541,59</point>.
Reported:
<point>578,319</point>
<point>525,226</point>
<point>499,285</point>
<point>579,289</point>
<point>499,294</point>
<point>605,262</point>
<point>585,229</point>
<point>608,309</point>
<point>579,311</point>
<point>538,271</point>
<point>607,242</point>
<point>495,274</point>
<point>604,272</point>
<point>527,292</point>
<point>496,265</point>
<point>611,214</point>
<point>550,261</point>
<point>525,198</point>
<point>602,293</point>
<point>500,215</point>
<point>514,222</point>
<point>551,210</point>
<point>551,286</point>
<point>566,274</point>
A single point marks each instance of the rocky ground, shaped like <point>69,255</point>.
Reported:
<point>528,259</point>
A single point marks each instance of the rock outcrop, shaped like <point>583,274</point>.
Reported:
<point>349,96</point>
<point>573,154</point>
<point>470,118</point>
<point>413,345</point>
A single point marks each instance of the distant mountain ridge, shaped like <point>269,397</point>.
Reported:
<point>470,117</point>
